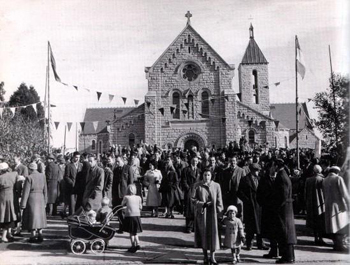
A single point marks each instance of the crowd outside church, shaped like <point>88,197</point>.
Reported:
<point>264,185</point>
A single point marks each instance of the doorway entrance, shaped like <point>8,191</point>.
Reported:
<point>189,144</point>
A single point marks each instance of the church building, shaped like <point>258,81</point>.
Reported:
<point>191,102</point>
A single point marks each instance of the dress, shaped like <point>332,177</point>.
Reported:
<point>150,179</point>
<point>132,223</point>
<point>7,209</point>
<point>34,199</point>
<point>233,232</point>
<point>206,231</point>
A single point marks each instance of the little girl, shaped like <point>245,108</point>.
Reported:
<point>234,233</point>
<point>104,211</point>
<point>132,223</point>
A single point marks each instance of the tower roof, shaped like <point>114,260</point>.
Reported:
<point>253,54</point>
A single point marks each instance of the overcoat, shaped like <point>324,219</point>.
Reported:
<point>80,182</point>
<point>52,173</point>
<point>283,206</point>
<point>70,174</point>
<point>108,182</point>
<point>34,199</point>
<point>251,209</point>
<point>206,229</point>
<point>314,199</point>
<point>7,186</point>
<point>168,188</point>
<point>151,178</point>
<point>93,188</point>
<point>190,177</point>
<point>229,183</point>
<point>337,203</point>
<point>122,177</point>
<point>61,183</point>
<point>265,200</point>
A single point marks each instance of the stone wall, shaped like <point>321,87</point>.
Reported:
<point>246,86</point>
<point>85,143</point>
<point>281,139</point>
<point>307,139</point>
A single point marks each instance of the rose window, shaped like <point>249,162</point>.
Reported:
<point>190,72</point>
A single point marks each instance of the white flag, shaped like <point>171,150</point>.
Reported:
<point>300,60</point>
<point>95,124</point>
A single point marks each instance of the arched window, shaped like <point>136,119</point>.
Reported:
<point>176,103</point>
<point>285,142</point>
<point>190,107</point>
<point>100,147</point>
<point>93,145</point>
<point>255,87</point>
<point>205,104</point>
<point>251,136</point>
<point>131,139</point>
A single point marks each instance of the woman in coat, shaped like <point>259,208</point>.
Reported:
<point>151,180</point>
<point>207,200</point>
<point>52,173</point>
<point>7,209</point>
<point>314,199</point>
<point>337,205</point>
<point>33,203</point>
<point>169,188</point>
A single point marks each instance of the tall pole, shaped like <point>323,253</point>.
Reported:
<point>296,101</point>
<point>334,101</point>
<point>76,136</point>
<point>48,98</point>
<point>64,143</point>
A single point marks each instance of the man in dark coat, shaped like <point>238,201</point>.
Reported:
<point>216,171</point>
<point>251,209</point>
<point>122,177</point>
<point>70,174</point>
<point>265,200</point>
<point>190,176</point>
<point>229,183</point>
<point>283,205</point>
<point>52,173</point>
<point>80,181</point>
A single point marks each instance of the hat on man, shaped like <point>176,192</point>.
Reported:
<point>317,169</point>
<point>334,169</point>
<point>50,156</point>
<point>33,166</point>
<point>255,167</point>
<point>4,166</point>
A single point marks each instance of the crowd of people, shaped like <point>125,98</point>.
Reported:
<point>248,193</point>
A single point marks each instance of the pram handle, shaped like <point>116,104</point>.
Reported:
<point>112,213</point>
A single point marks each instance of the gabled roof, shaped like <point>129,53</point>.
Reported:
<point>294,136</point>
<point>286,114</point>
<point>190,28</point>
<point>253,54</point>
<point>102,115</point>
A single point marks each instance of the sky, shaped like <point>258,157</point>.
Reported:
<point>106,45</point>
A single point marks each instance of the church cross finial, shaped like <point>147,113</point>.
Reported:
<point>188,15</point>
<point>251,31</point>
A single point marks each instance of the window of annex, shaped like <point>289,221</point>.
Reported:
<point>176,103</point>
<point>205,104</point>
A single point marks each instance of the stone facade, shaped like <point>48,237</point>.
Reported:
<point>307,139</point>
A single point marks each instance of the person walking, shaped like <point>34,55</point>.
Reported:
<point>52,173</point>
<point>33,203</point>
<point>152,179</point>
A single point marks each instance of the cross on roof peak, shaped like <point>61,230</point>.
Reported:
<point>188,15</point>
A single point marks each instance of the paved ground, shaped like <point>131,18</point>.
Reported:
<point>163,242</point>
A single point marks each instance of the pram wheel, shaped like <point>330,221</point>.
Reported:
<point>78,247</point>
<point>97,246</point>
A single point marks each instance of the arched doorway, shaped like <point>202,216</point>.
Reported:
<point>189,144</point>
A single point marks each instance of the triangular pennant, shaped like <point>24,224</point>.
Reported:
<point>110,98</point>
<point>223,120</point>
<point>76,87</point>
<point>226,97</point>
<point>88,90</point>
<point>95,124</point>
<point>200,114</point>
<point>239,95</point>
<point>69,124</point>
<point>277,83</point>
<point>161,110</point>
<point>1,111</point>
<point>309,99</point>
<point>34,107</point>
<point>56,124</point>
<point>299,111</point>
<point>212,100</point>
<point>277,123</point>
<point>98,95</point>
<point>124,99</point>
<point>82,125</point>
<point>12,110</point>
<point>266,86</point>
<point>172,110</point>
<point>64,84</point>
<point>148,104</point>
<point>136,102</point>
<point>52,106</point>
<point>187,105</point>
<point>184,111</point>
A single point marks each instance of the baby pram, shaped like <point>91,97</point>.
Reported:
<point>83,234</point>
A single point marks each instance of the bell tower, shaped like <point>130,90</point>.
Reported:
<point>254,78</point>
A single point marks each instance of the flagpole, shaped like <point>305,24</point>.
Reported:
<point>64,143</point>
<point>296,101</point>
<point>48,96</point>
<point>333,94</point>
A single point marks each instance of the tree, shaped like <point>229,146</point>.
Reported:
<point>2,91</point>
<point>333,113</point>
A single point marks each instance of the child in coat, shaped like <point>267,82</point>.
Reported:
<point>234,233</point>
<point>132,223</point>
<point>104,211</point>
